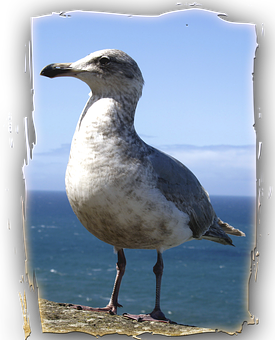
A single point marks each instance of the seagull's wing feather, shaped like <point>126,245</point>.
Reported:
<point>180,186</point>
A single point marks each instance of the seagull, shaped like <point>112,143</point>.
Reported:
<point>124,191</point>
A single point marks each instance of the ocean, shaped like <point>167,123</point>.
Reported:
<point>204,283</point>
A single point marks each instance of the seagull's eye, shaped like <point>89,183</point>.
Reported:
<point>104,60</point>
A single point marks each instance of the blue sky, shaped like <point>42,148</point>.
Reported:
<point>197,102</point>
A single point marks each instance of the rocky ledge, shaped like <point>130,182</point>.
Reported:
<point>60,318</point>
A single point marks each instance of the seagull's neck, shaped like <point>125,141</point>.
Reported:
<point>111,114</point>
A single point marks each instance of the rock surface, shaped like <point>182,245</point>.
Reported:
<point>60,318</point>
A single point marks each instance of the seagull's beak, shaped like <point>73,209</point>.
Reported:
<point>59,70</point>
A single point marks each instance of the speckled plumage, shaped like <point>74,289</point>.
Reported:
<point>124,191</point>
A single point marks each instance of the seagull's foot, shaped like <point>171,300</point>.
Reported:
<point>108,309</point>
<point>155,315</point>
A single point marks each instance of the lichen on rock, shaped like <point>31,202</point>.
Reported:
<point>60,318</point>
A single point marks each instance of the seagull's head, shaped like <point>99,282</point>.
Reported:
<point>107,72</point>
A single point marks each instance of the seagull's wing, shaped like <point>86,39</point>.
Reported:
<point>180,186</point>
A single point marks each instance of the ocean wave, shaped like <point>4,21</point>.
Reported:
<point>54,271</point>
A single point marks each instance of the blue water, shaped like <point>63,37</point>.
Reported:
<point>204,283</point>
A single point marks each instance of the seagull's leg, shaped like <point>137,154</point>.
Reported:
<point>156,314</point>
<point>120,266</point>
<point>113,303</point>
<point>158,270</point>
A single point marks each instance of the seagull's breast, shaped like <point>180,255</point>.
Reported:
<point>111,186</point>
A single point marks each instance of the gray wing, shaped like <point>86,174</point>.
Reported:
<point>179,185</point>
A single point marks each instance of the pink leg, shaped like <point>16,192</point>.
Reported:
<point>156,314</point>
<point>113,303</point>
<point>120,266</point>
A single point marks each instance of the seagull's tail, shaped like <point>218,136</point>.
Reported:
<point>219,230</point>
<point>228,229</point>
